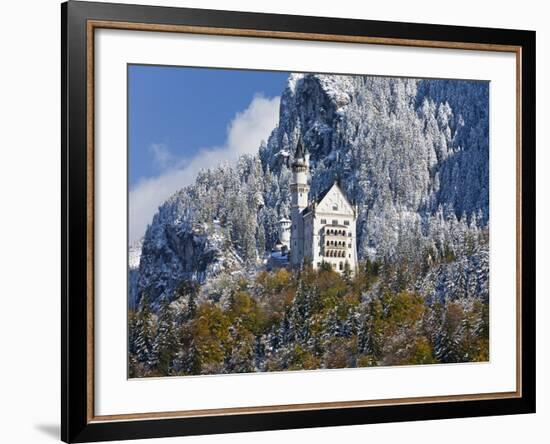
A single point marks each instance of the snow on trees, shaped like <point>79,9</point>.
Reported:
<point>413,155</point>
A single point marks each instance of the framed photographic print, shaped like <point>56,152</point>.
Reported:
<point>276,221</point>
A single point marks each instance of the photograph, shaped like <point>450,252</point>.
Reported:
<point>284,221</point>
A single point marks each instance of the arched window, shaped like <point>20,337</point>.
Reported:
<point>341,266</point>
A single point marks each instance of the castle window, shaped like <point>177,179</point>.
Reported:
<point>323,221</point>
<point>341,266</point>
<point>334,222</point>
<point>350,255</point>
<point>335,208</point>
<point>349,245</point>
<point>349,234</point>
<point>346,222</point>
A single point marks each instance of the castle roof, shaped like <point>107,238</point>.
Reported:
<point>336,184</point>
<point>299,153</point>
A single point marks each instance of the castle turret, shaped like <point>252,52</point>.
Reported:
<point>284,231</point>
<point>306,158</point>
<point>299,186</point>
<point>299,190</point>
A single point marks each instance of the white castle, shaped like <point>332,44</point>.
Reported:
<point>322,231</point>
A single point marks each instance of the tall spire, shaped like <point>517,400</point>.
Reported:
<point>299,154</point>
<point>299,157</point>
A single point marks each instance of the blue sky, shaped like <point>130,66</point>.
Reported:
<point>187,109</point>
<point>183,119</point>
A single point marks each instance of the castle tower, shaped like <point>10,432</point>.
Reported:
<point>284,231</point>
<point>299,190</point>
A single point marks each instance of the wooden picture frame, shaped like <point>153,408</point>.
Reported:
<point>79,22</point>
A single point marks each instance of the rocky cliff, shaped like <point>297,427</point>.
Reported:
<point>413,154</point>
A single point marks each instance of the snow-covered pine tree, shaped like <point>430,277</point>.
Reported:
<point>144,331</point>
<point>165,344</point>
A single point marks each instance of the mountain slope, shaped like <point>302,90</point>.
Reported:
<point>413,155</point>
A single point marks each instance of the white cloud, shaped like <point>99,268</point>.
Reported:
<point>244,135</point>
<point>162,157</point>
